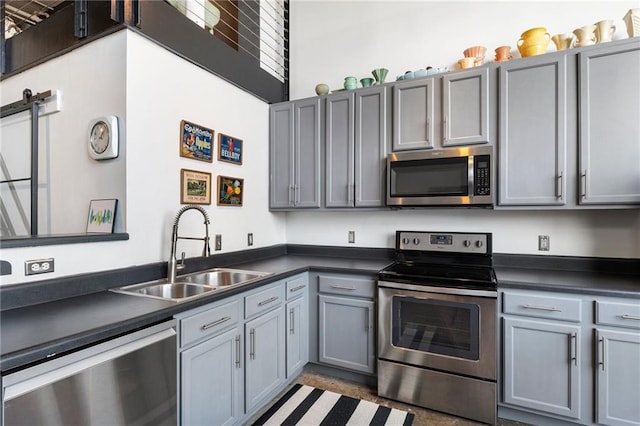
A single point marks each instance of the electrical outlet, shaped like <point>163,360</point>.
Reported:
<point>38,266</point>
<point>543,242</point>
<point>250,239</point>
<point>352,237</point>
<point>218,242</point>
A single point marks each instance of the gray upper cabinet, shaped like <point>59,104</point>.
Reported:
<point>295,154</point>
<point>532,138</point>
<point>356,148</point>
<point>465,107</point>
<point>610,124</point>
<point>413,114</point>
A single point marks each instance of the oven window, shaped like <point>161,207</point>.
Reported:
<point>430,178</point>
<point>436,326</point>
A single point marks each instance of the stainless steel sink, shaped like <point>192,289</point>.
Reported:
<point>192,286</point>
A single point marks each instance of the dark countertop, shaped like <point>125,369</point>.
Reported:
<point>34,333</point>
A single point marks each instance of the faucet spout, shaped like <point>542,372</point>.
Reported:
<point>173,266</point>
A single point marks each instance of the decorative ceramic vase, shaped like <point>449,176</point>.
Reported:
<point>604,31</point>
<point>632,21</point>
<point>503,53</point>
<point>350,83</point>
<point>380,74</point>
<point>562,41</point>
<point>367,82</point>
<point>534,41</point>
<point>585,36</point>
<point>322,89</point>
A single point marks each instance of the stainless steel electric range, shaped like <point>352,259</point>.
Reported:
<point>437,324</point>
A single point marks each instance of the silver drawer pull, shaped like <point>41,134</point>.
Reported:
<point>631,317</point>
<point>542,308</point>
<point>213,324</point>
<point>340,287</point>
<point>269,300</point>
<point>300,287</point>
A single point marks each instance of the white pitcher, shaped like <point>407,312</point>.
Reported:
<point>585,36</point>
<point>605,31</point>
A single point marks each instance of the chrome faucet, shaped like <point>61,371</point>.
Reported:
<point>173,266</point>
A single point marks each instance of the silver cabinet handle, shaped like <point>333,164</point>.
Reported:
<point>252,343</point>
<point>574,356</point>
<point>238,351</point>
<point>427,135</point>
<point>583,180</point>
<point>542,308</point>
<point>269,300</point>
<point>340,287</point>
<point>291,318</point>
<point>290,197</point>
<point>602,354</point>
<point>559,186</point>
<point>444,129</point>
<point>296,194</point>
<point>631,317</point>
<point>300,287</point>
<point>217,322</point>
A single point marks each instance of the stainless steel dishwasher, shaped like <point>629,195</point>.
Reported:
<point>130,380</point>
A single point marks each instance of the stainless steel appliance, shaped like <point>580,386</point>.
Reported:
<point>437,324</point>
<point>130,380</point>
<point>446,177</point>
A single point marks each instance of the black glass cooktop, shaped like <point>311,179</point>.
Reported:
<point>459,276</point>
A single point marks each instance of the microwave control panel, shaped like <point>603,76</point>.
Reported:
<point>482,175</point>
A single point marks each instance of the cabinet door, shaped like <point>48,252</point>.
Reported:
<point>211,381</point>
<point>618,378</point>
<point>307,153</point>
<point>347,335</point>
<point>610,125</point>
<point>297,335</point>
<point>339,129</point>
<point>532,137</point>
<point>541,369</point>
<point>281,155</point>
<point>265,357</point>
<point>413,115</point>
<point>465,107</point>
<point>371,147</point>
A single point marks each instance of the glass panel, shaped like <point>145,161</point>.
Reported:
<point>436,326</point>
<point>428,178</point>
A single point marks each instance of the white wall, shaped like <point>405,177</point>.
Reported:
<point>330,40</point>
<point>161,89</point>
<point>334,39</point>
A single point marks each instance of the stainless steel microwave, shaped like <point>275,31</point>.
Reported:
<point>447,177</point>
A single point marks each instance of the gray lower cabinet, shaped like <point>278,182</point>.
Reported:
<point>610,124</point>
<point>413,114</point>
<point>465,107</point>
<point>356,148</point>
<point>541,366</point>
<point>297,322</point>
<point>211,381</point>
<point>346,322</point>
<point>294,157</point>
<point>532,139</point>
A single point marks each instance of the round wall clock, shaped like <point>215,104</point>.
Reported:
<point>103,138</point>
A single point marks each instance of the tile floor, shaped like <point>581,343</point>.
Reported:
<point>423,417</point>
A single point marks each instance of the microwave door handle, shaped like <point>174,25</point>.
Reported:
<point>470,176</point>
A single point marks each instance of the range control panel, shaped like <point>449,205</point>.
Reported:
<point>452,242</point>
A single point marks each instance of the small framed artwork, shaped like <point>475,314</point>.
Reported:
<point>196,142</point>
<point>230,191</point>
<point>195,187</point>
<point>229,149</point>
<point>102,215</point>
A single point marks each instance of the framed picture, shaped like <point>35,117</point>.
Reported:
<point>195,187</point>
<point>230,191</point>
<point>196,142</point>
<point>229,149</point>
<point>102,215</point>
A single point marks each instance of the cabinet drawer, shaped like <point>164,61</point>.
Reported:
<point>209,323</point>
<point>263,300</point>
<point>618,314</point>
<point>296,286</point>
<point>552,307</point>
<point>348,286</point>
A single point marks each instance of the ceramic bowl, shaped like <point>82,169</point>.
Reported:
<point>475,52</point>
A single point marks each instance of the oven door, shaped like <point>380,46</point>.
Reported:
<point>454,333</point>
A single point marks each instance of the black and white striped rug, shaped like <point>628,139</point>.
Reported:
<point>307,406</point>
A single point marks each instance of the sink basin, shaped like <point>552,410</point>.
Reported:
<point>192,286</point>
<point>220,277</point>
